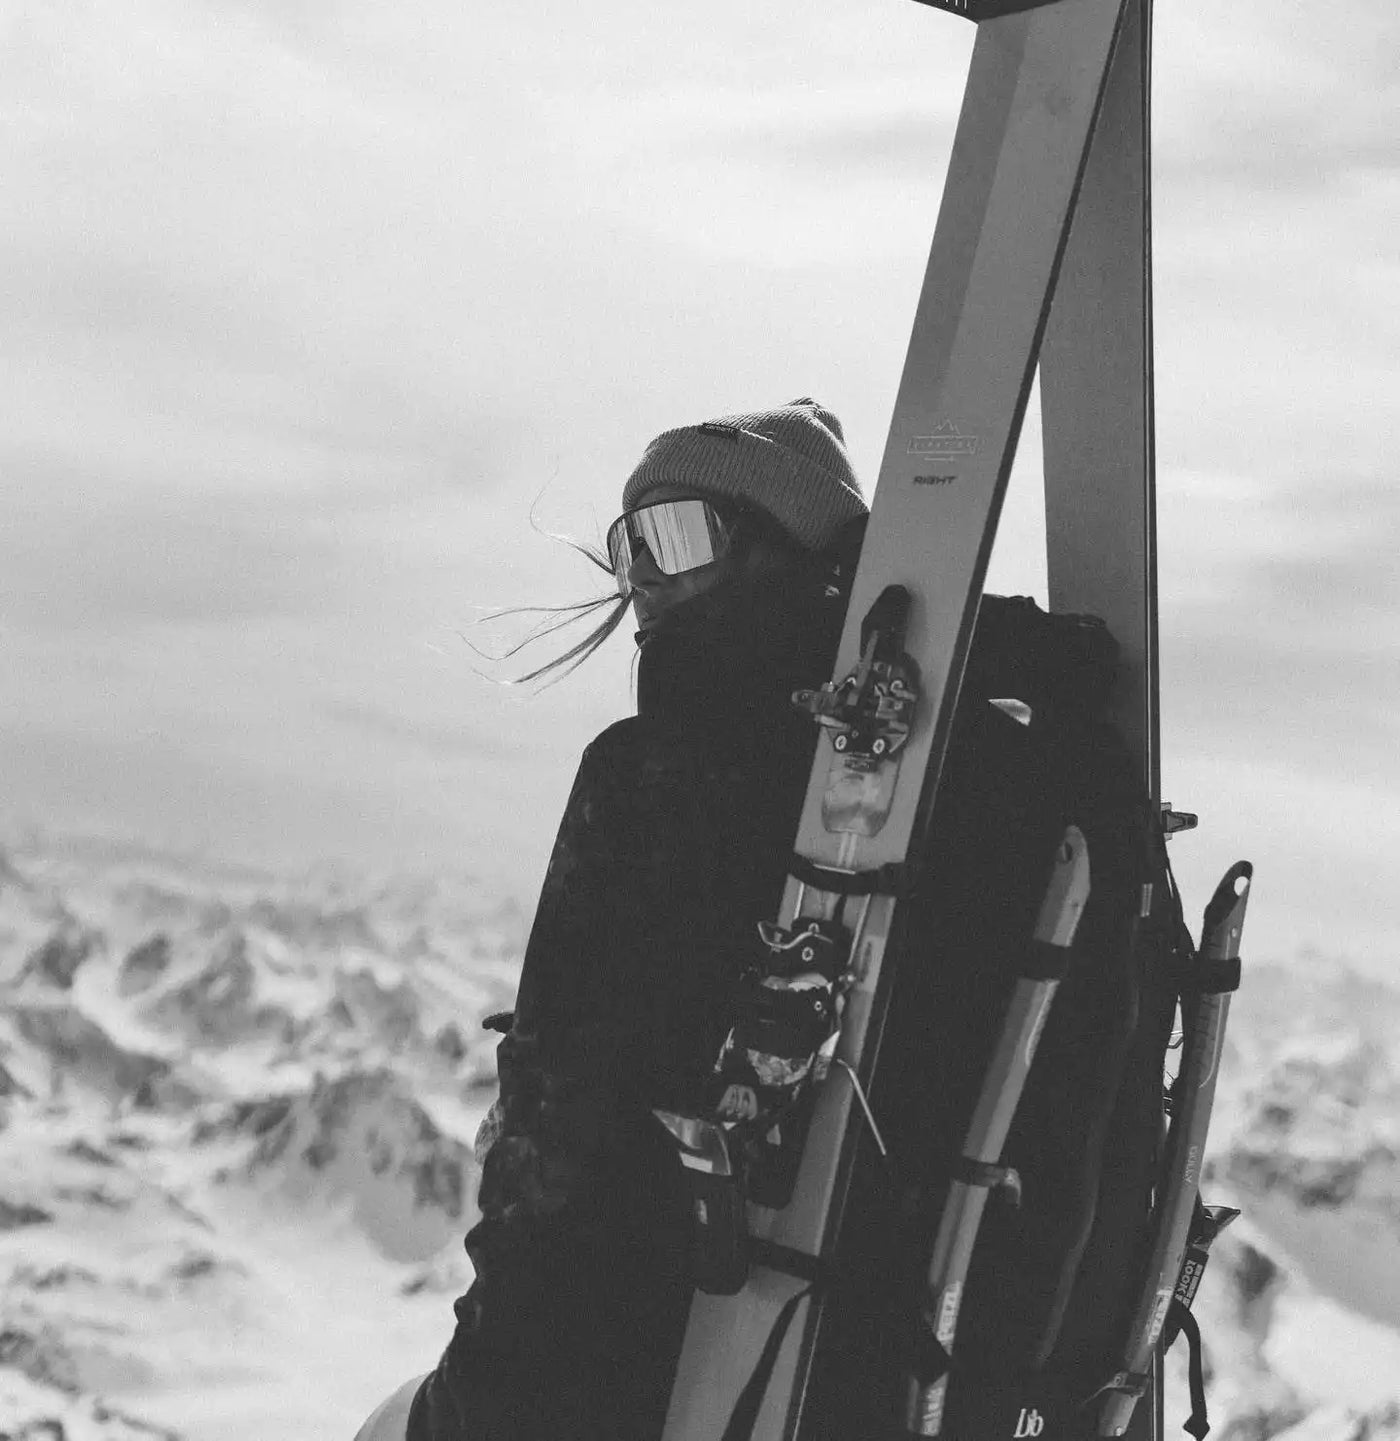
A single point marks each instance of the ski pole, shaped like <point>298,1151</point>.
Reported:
<point>1205,1009</point>
<point>980,1170</point>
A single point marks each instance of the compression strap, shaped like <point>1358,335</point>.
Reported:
<point>788,1259</point>
<point>891,879</point>
<point>1198,1424</point>
<point>931,1360</point>
<point>744,1417</point>
<point>1214,978</point>
<point>1045,961</point>
<point>972,1172</point>
<point>817,1274</point>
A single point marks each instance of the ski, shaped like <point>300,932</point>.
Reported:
<point>1046,962</point>
<point>1205,1008</point>
<point>1096,400</point>
<point>1098,429</point>
<point>1033,94</point>
<point>985,9</point>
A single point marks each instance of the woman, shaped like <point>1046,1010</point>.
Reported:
<point>736,538</point>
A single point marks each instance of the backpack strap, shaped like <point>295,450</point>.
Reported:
<point>744,1416</point>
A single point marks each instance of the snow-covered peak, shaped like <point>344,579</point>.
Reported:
<point>236,1114</point>
<point>362,1141</point>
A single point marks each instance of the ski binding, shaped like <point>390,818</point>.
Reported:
<point>789,1008</point>
<point>872,708</point>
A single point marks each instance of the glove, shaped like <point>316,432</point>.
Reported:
<point>542,1139</point>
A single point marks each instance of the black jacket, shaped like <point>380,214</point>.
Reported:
<point>673,845</point>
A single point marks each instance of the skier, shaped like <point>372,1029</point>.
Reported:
<point>735,548</point>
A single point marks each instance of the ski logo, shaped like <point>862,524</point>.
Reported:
<point>1028,1423</point>
<point>931,1416</point>
<point>946,442</point>
<point>1189,1281</point>
<point>934,479</point>
<point>1161,1302</point>
<point>948,1312</point>
<point>1193,1165</point>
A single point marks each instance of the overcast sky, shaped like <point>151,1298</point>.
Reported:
<point>306,304</point>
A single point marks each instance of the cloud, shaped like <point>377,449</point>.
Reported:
<point>1325,714</point>
<point>1344,596</point>
<point>215,262</point>
<point>457,739</point>
<point>1276,98</point>
<point>1317,547</point>
<point>106,562</point>
<point>181,795</point>
<point>1323,850</point>
<point>889,145</point>
<point>301,303</point>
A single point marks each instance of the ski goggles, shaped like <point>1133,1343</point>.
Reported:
<point>680,535</point>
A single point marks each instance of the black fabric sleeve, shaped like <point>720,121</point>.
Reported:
<point>669,852</point>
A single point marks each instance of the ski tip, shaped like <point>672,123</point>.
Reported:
<point>1073,849</point>
<point>1230,898</point>
<point>1068,891</point>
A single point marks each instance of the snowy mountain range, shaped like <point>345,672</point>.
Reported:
<point>236,1113</point>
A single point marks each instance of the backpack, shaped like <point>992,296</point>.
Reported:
<point>1055,1277</point>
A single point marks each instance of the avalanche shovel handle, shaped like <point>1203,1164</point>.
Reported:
<point>979,1169</point>
<point>1205,1005</point>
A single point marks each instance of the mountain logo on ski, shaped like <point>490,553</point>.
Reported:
<point>946,442</point>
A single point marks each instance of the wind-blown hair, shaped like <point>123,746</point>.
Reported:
<point>560,617</point>
<point>833,566</point>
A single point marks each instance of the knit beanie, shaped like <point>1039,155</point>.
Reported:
<point>790,463</point>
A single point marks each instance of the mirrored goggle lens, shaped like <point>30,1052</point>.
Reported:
<point>680,535</point>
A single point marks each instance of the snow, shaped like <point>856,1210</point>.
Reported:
<point>235,1138</point>
<point>236,1115</point>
